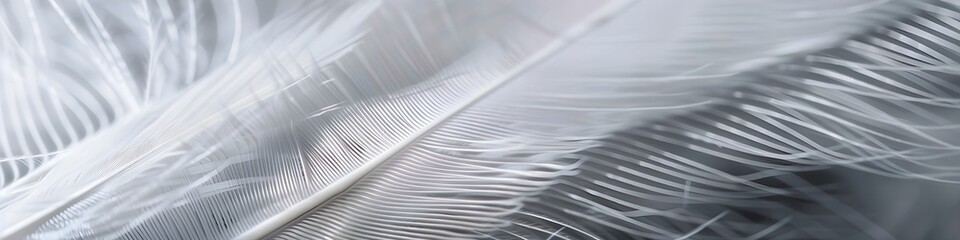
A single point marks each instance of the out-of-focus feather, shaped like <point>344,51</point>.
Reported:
<point>431,120</point>
<point>73,68</point>
<point>320,92</point>
<point>878,103</point>
<point>556,114</point>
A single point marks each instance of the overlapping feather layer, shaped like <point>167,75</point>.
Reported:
<point>465,120</point>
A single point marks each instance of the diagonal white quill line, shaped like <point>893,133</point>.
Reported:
<point>24,227</point>
<point>590,22</point>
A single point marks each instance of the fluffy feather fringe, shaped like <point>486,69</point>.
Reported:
<point>434,120</point>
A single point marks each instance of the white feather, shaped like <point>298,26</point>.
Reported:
<point>462,120</point>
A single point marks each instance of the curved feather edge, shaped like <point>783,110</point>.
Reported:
<point>73,68</point>
<point>496,140</point>
<point>676,176</point>
<point>352,146</point>
<point>155,150</point>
